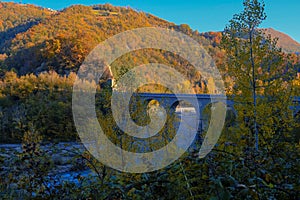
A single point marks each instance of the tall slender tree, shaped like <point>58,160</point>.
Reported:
<point>261,74</point>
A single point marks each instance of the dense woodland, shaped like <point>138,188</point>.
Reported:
<point>257,156</point>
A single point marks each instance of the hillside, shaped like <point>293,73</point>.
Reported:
<point>18,18</point>
<point>284,41</point>
<point>62,41</point>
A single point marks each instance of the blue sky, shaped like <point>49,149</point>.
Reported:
<point>203,15</point>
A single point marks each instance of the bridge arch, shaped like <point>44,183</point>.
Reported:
<point>140,109</point>
<point>230,118</point>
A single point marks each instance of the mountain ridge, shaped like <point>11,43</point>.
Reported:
<point>286,42</point>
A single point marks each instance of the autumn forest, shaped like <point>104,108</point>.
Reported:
<point>41,51</point>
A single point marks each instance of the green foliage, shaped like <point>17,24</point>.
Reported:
<point>44,101</point>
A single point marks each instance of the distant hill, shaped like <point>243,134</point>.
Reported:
<point>284,41</point>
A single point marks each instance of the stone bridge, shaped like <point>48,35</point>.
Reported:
<point>198,101</point>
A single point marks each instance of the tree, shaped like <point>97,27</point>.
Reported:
<point>260,143</point>
<point>261,74</point>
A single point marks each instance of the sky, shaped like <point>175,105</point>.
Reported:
<point>201,15</point>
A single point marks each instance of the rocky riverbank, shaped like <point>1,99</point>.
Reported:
<point>65,158</point>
